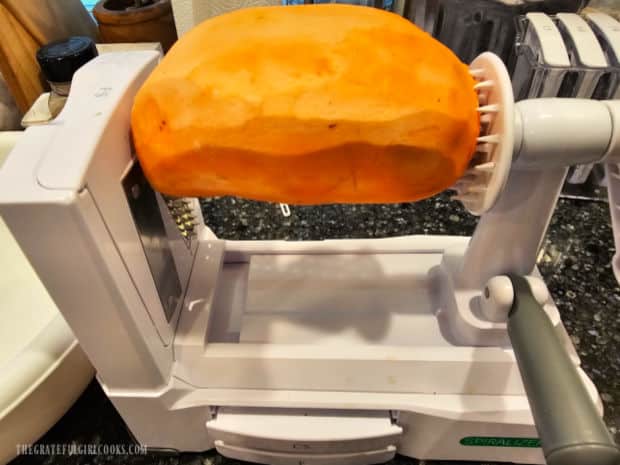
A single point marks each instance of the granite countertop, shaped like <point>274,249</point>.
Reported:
<point>575,264</point>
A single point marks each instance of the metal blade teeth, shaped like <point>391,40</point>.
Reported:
<point>182,214</point>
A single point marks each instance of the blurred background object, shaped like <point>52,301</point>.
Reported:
<point>58,60</point>
<point>188,13</point>
<point>31,24</point>
<point>385,4</point>
<point>123,21</point>
<point>9,114</point>
<point>611,7</point>
<point>467,27</point>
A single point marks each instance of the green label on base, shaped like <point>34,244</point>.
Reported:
<point>489,441</point>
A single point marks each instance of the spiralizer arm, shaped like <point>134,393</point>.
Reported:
<point>549,136</point>
<point>545,136</point>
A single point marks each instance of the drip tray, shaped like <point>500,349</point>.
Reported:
<point>308,436</point>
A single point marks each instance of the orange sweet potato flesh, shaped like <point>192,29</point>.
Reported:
<point>306,105</point>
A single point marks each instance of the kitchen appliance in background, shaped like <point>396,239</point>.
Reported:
<point>568,55</point>
<point>542,59</point>
<point>468,27</point>
<point>587,55</point>
<point>607,30</point>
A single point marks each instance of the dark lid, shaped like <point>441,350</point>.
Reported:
<point>61,59</point>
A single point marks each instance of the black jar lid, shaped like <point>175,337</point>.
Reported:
<point>59,60</point>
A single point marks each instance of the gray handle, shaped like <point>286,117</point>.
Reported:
<point>570,429</point>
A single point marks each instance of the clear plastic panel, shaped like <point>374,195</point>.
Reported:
<point>607,31</point>
<point>533,75</point>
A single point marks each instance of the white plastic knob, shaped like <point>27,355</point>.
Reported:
<point>498,296</point>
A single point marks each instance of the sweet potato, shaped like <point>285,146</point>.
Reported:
<point>306,105</point>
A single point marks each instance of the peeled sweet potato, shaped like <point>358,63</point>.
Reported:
<point>306,105</point>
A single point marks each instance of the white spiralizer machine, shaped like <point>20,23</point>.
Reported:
<point>328,352</point>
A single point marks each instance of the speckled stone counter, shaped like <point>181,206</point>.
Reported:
<point>575,263</point>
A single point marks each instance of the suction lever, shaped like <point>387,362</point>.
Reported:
<point>570,429</point>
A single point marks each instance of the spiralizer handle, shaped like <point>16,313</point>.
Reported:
<point>570,429</point>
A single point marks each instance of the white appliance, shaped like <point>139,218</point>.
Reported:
<point>329,352</point>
